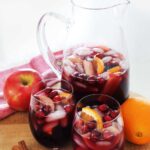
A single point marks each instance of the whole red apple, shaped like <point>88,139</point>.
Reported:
<point>18,88</point>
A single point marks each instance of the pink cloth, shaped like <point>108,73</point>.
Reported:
<point>37,63</point>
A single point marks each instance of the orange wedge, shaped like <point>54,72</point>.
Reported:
<point>64,95</point>
<point>99,65</point>
<point>89,114</point>
<point>114,69</point>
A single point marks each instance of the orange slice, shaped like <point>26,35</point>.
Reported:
<point>64,95</point>
<point>89,114</point>
<point>99,65</point>
<point>114,69</point>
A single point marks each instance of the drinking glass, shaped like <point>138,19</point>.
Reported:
<point>98,124</point>
<point>51,112</point>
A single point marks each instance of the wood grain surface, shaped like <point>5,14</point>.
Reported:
<point>16,128</point>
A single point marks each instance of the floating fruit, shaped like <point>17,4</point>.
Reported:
<point>114,69</point>
<point>136,113</point>
<point>47,101</point>
<point>88,67</point>
<point>89,114</point>
<point>99,65</point>
<point>75,59</point>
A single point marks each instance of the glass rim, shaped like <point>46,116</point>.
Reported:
<point>52,79</point>
<point>107,122</point>
<point>99,8</point>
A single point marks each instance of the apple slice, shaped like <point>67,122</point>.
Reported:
<point>47,101</point>
<point>75,59</point>
<point>112,84</point>
<point>88,67</point>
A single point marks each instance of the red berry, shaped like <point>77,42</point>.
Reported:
<point>57,98</point>
<point>107,118</point>
<point>84,129</point>
<point>68,108</point>
<point>114,113</point>
<point>53,94</point>
<point>103,107</point>
<point>95,136</point>
<point>79,124</point>
<point>40,114</point>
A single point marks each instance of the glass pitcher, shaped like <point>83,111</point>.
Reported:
<point>94,49</point>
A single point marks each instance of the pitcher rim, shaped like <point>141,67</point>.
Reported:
<point>99,8</point>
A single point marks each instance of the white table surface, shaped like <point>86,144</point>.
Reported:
<point>18,22</point>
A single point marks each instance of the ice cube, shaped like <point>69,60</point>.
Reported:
<point>110,52</point>
<point>83,51</point>
<point>99,50</point>
<point>107,59</point>
<point>56,115</point>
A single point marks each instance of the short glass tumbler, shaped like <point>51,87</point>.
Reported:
<point>98,124</point>
<point>51,112</point>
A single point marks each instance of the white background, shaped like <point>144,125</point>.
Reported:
<point>18,22</point>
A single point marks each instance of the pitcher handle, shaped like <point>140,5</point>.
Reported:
<point>42,41</point>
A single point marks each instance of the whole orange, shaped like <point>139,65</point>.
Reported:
<point>136,116</point>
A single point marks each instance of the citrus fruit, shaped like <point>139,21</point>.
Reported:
<point>136,115</point>
<point>99,65</point>
<point>89,114</point>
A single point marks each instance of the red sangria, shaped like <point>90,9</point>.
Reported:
<point>51,112</point>
<point>98,124</point>
<point>96,70</point>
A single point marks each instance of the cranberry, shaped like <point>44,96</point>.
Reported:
<point>53,94</point>
<point>37,107</point>
<point>79,124</point>
<point>68,108</point>
<point>114,113</point>
<point>107,118</point>
<point>100,55</point>
<point>107,135</point>
<point>103,107</point>
<point>101,80</point>
<point>40,114</point>
<point>95,135</point>
<point>57,98</point>
<point>91,125</point>
<point>47,91</point>
<point>84,129</point>
<point>46,109</point>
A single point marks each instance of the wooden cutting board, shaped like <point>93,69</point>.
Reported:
<point>16,128</point>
